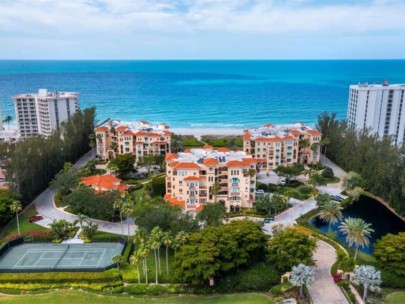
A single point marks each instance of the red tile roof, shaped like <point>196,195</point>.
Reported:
<point>121,128</point>
<point>210,161</point>
<point>223,149</point>
<point>150,134</point>
<point>170,156</point>
<point>102,129</point>
<point>104,182</point>
<point>192,178</point>
<point>199,208</point>
<point>208,147</point>
<point>247,136</point>
<point>268,139</point>
<point>295,132</point>
<point>314,132</point>
<point>187,166</point>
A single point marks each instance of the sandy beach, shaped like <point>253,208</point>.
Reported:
<point>200,132</point>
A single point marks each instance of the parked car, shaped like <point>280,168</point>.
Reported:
<point>35,218</point>
<point>336,198</point>
<point>260,192</point>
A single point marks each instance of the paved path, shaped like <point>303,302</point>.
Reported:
<point>339,172</point>
<point>323,290</point>
<point>46,207</point>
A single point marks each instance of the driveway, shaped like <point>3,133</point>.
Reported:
<point>45,206</point>
<point>323,289</point>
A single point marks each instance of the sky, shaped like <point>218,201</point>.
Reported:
<point>202,29</point>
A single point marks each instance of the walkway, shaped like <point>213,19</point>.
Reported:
<point>46,207</point>
<point>323,289</point>
<point>339,172</point>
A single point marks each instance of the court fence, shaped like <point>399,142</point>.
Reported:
<point>19,241</point>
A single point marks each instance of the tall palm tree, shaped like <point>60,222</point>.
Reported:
<point>214,190</point>
<point>16,207</point>
<point>288,194</point>
<point>7,120</point>
<point>143,253</point>
<point>167,240</point>
<point>92,142</point>
<point>128,208</point>
<point>331,213</point>
<point>154,244</point>
<point>118,204</point>
<point>134,260</point>
<point>357,232</point>
<point>117,260</point>
<point>157,234</point>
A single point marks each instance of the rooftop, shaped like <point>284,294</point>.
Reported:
<point>278,132</point>
<point>140,128</point>
<point>208,157</point>
<point>44,94</point>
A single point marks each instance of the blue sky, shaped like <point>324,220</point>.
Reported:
<point>202,29</point>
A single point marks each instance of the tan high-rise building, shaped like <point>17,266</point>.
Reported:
<point>139,138</point>
<point>192,176</point>
<point>282,145</point>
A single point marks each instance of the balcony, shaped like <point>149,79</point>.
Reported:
<point>203,193</point>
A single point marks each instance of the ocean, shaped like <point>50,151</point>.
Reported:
<point>201,94</point>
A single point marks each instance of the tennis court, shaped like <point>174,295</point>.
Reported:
<point>59,257</point>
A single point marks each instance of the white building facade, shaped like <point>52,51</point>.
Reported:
<point>379,109</point>
<point>40,114</point>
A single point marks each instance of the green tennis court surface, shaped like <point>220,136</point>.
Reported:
<point>54,257</point>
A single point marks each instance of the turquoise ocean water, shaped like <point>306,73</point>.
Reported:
<point>201,94</point>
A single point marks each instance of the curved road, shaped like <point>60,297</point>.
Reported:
<point>45,206</point>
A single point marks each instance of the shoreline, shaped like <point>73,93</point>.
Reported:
<point>200,132</point>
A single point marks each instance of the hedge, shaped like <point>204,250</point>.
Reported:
<point>59,277</point>
<point>40,286</point>
<point>281,288</point>
<point>127,251</point>
<point>151,290</point>
<point>391,279</point>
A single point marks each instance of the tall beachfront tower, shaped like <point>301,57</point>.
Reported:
<point>379,109</point>
<point>40,114</point>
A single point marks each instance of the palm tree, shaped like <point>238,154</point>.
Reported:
<point>331,213</point>
<point>134,260</point>
<point>301,275</point>
<point>118,204</point>
<point>16,207</point>
<point>140,237</point>
<point>80,219</point>
<point>182,237</point>
<point>154,244</point>
<point>117,260</point>
<point>128,208</point>
<point>7,120</point>
<point>156,235</point>
<point>167,240</point>
<point>357,232</point>
<point>288,194</point>
<point>214,190</point>
<point>143,253</point>
<point>324,142</point>
<point>368,277</point>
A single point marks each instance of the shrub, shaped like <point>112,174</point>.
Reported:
<point>390,279</point>
<point>259,277</point>
<point>262,187</point>
<point>127,252</point>
<point>306,190</point>
<point>328,173</point>
<point>281,288</point>
<point>151,290</point>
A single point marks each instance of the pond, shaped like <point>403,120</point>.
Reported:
<point>383,221</point>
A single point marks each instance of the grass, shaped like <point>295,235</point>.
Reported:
<point>333,180</point>
<point>396,298</point>
<point>190,141</point>
<point>82,297</point>
<point>102,236</point>
<point>223,141</point>
<point>25,226</point>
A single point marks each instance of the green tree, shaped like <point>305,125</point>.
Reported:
<point>117,260</point>
<point>324,143</point>
<point>331,213</point>
<point>16,207</point>
<point>212,214</point>
<point>301,276</point>
<point>352,180</point>
<point>60,229</point>
<point>128,208</point>
<point>158,185</point>
<point>322,199</point>
<point>92,141</point>
<point>7,197</point>
<point>317,180</point>
<point>64,182</point>
<point>328,173</point>
<point>290,172</point>
<point>267,203</point>
<point>89,230</point>
<point>134,260</point>
<point>214,189</point>
<point>390,253</point>
<point>118,204</point>
<point>290,247</point>
<point>218,250</point>
<point>124,164</point>
<point>167,240</point>
<point>357,232</point>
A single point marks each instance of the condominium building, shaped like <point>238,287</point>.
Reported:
<point>192,178</point>
<point>40,114</point>
<point>282,145</point>
<point>378,109</point>
<point>140,138</point>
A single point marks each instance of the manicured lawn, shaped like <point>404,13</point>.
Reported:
<point>396,298</point>
<point>102,236</point>
<point>81,297</point>
<point>25,226</point>
<point>333,180</point>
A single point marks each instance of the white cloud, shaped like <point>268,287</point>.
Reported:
<point>187,23</point>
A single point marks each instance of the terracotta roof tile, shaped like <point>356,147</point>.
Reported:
<point>314,132</point>
<point>210,162</point>
<point>192,178</point>
<point>102,129</point>
<point>268,139</point>
<point>121,128</point>
<point>170,156</point>
<point>100,182</point>
<point>223,149</point>
<point>187,166</point>
<point>150,134</point>
<point>208,147</point>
